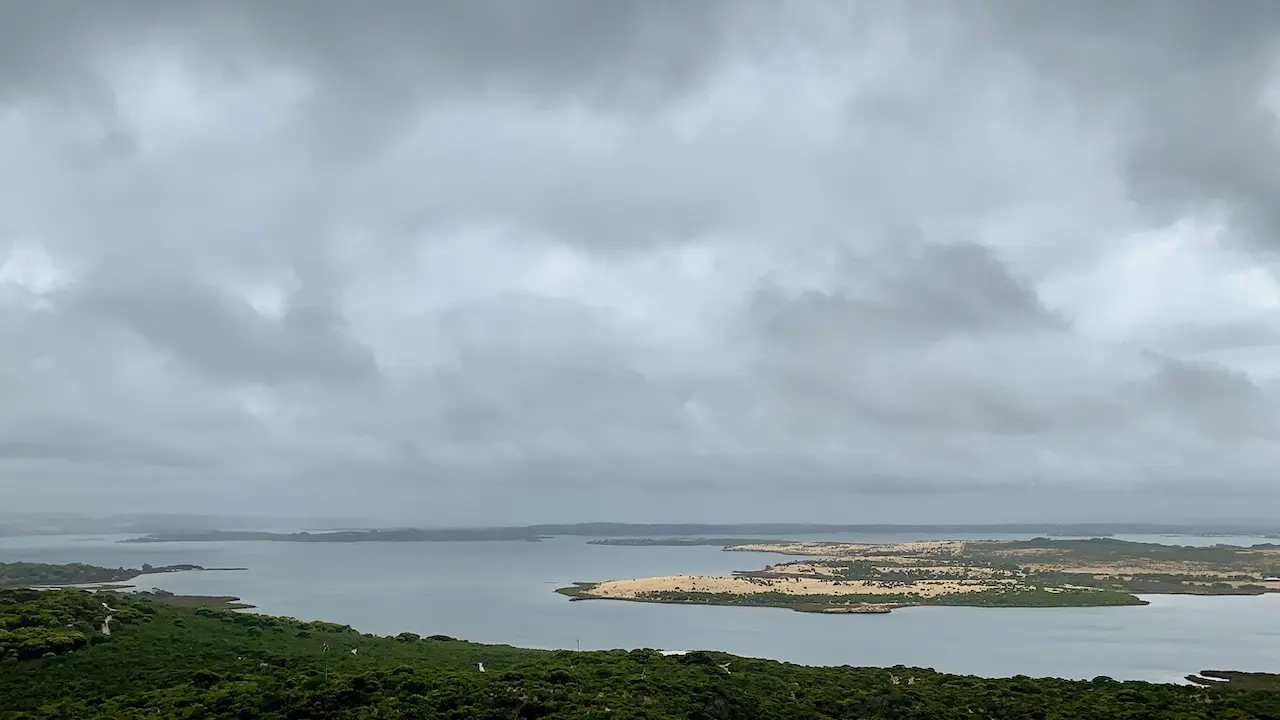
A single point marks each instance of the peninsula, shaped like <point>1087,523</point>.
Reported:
<point>28,575</point>
<point>842,578</point>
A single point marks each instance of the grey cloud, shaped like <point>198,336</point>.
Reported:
<point>924,292</point>
<point>590,257</point>
<point>846,370</point>
<point>95,452</point>
<point>528,380</point>
<point>1221,402</point>
<point>1183,87</point>
<point>1202,338</point>
<point>219,334</point>
<point>374,60</point>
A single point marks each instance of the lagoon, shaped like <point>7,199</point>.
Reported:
<point>502,592</point>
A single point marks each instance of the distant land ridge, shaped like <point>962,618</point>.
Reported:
<point>535,533</point>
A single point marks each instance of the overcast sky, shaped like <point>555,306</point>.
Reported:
<point>502,261</point>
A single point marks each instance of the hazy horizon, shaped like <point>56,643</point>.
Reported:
<point>281,522</point>
<point>493,263</point>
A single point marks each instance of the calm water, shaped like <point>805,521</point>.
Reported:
<point>502,593</point>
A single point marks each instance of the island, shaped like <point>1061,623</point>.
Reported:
<point>40,575</point>
<point>850,578</point>
<point>76,655</point>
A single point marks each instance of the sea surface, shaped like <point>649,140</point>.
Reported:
<point>502,592</point>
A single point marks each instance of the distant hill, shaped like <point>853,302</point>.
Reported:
<point>534,533</point>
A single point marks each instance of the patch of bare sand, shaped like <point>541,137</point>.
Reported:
<point>641,587</point>
<point>798,548</point>
<point>841,550</point>
<point>1019,552</point>
<point>834,571</point>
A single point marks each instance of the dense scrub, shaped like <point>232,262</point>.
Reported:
<point>27,574</point>
<point>170,662</point>
<point>1015,596</point>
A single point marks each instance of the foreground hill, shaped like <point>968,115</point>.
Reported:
<point>71,654</point>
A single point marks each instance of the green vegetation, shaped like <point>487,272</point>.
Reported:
<point>223,602</point>
<point>1041,572</point>
<point>24,574</point>
<point>1253,681</point>
<point>1108,549</point>
<point>1132,567</point>
<point>172,663</point>
<point>1008,597</point>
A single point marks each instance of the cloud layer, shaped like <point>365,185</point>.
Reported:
<point>462,261</point>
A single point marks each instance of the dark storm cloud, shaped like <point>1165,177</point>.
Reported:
<point>371,57</point>
<point>411,254</point>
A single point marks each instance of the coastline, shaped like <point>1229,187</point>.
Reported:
<point>852,578</point>
<point>581,591</point>
<point>216,602</point>
<point>835,605</point>
<point>45,577</point>
<point>127,654</point>
<point>17,575</point>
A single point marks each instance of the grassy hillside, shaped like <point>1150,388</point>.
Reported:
<point>165,661</point>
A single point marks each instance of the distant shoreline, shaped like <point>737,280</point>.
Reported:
<point>701,533</point>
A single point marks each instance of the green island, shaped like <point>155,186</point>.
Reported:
<point>62,658</point>
<point>848,578</point>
